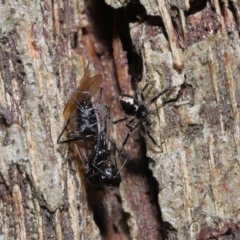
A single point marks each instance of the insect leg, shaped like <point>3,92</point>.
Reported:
<point>145,87</point>
<point>90,177</point>
<point>125,161</point>
<point>65,127</point>
<point>71,136</point>
<point>100,94</point>
<point>115,161</point>
<point>99,170</point>
<point>115,147</point>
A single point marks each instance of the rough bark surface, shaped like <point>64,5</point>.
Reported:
<point>188,188</point>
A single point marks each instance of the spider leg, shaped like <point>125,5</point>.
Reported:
<point>142,91</point>
<point>130,131</point>
<point>145,87</point>
<point>149,135</point>
<point>120,120</point>
<point>131,121</point>
<point>158,95</point>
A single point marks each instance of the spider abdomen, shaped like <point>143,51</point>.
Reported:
<point>128,104</point>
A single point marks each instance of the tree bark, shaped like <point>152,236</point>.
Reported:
<point>185,189</point>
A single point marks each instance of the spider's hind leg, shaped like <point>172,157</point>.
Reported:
<point>131,129</point>
<point>150,136</point>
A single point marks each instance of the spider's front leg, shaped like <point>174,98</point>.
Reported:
<point>142,92</point>
<point>120,120</point>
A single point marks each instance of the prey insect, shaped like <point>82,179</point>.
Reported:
<point>137,111</point>
<point>86,126</point>
<point>102,169</point>
<point>79,112</point>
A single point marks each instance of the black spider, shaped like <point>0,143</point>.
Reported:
<point>138,109</point>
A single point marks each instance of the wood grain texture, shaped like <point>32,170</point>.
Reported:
<point>197,172</point>
<point>41,193</point>
<point>186,189</point>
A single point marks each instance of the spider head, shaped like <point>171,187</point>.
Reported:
<point>142,112</point>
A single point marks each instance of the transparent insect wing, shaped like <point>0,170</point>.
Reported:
<point>79,112</point>
<point>88,88</point>
<point>90,84</point>
<point>82,155</point>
